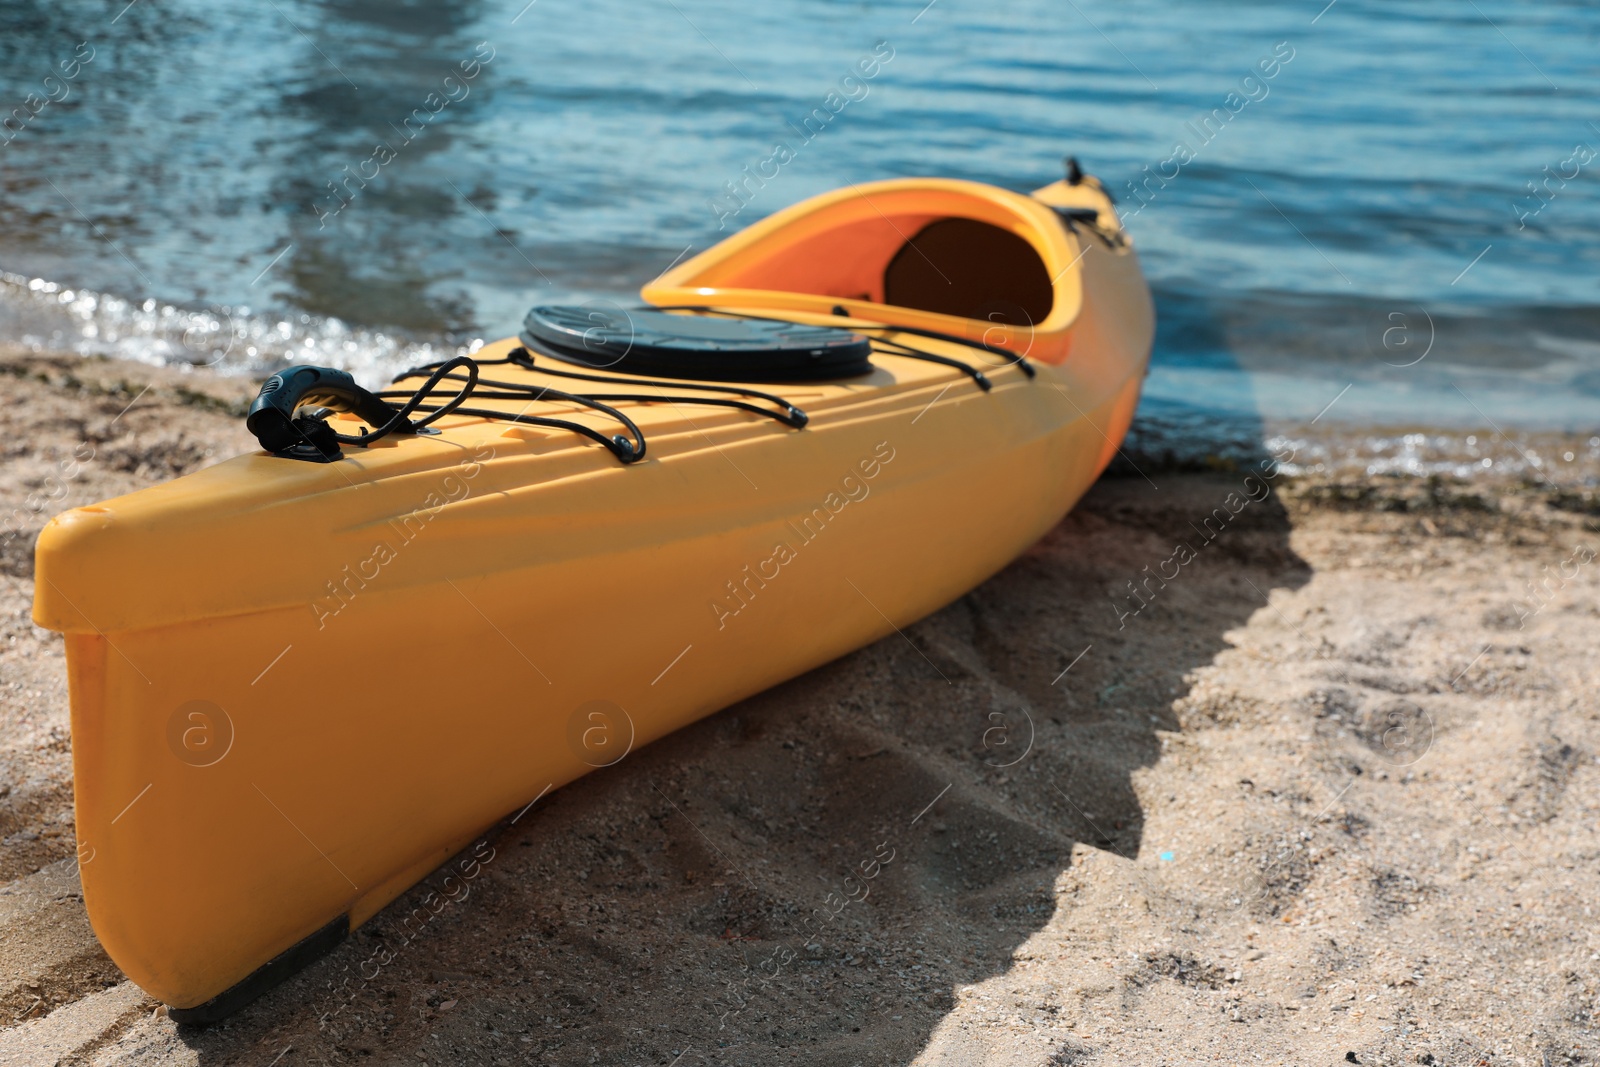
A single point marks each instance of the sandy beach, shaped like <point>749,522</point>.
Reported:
<point>1322,789</point>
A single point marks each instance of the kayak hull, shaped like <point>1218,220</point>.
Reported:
<point>464,623</point>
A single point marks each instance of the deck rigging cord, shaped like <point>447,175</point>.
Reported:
<point>300,432</point>
<point>522,357</point>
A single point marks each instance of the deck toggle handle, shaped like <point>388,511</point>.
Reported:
<point>273,420</point>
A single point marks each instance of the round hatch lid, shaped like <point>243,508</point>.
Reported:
<point>704,347</point>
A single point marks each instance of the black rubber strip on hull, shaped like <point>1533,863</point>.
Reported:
<point>273,973</point>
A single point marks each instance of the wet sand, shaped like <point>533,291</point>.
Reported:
<point>1327,795</point>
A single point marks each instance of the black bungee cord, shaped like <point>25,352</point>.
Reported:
<point>402,413</point>
<point>626,450</point>
<point>631,448</point>
<point>788,414</point>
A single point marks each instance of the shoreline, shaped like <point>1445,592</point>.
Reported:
<point>1330,790</point>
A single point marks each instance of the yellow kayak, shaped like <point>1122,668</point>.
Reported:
<point>305,677</point>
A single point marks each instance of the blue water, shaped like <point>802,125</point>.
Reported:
<point>1366,204</point>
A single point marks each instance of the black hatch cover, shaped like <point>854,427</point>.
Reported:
<point>704,347</point>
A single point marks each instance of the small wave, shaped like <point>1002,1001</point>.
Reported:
<point>238,341</point>
<point>1556,459</point>
<point>1167,436</point>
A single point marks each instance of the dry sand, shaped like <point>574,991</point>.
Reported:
<point>1331,797</point>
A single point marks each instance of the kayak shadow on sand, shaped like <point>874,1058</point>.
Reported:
<point>818,869</point>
